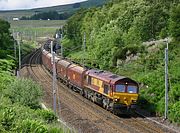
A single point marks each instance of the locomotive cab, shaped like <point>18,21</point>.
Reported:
<point>115,93</point>
<point>125,94</point>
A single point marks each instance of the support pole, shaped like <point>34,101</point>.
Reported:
<point>19,45</point>
<point>166,82</point>
<point>84,47</point>
<point>84,42</point>
<point>54,83</point>
<point>35,36</point>
<point>54,78</point>
<point>52,52</point>
<point>57,91</point>
<point>61,45</point>
<point>14,44</point>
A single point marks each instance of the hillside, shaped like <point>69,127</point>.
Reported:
<point>8,15</point>
<point>114,41</point>
<point>20,106</point>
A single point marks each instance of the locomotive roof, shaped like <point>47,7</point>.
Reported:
<point>106,76</point>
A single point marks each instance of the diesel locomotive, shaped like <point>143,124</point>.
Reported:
<point>113,92</point>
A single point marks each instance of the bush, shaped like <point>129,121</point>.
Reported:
<point>47,115</point>
<point>174,25</point>
<point>25,92</point>
<point>6,65</point>
<point>7,119</point>
<point>5,79</point>
<point>55,130</point>
<point>32,126</point>
<point>174,112</point>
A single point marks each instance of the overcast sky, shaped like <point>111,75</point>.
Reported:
<point>29,4</point>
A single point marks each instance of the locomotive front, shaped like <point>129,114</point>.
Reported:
<point>115,93</point>
<point>125,94</point>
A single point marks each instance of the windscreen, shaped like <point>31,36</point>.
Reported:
<point>126,88</point>
<point>120,88</point>
<point>131,89</point>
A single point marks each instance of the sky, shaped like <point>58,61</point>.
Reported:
<point>29,4</point>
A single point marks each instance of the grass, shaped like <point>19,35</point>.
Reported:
<point>9,15</point>
<point>37,23</point>
<point>31,29</point>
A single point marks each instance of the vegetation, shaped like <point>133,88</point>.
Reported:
<point>6,40</point>
<point>51,15</point>
<point>20,109</point>
<point>32,30</point>
<point>114,41</point>
<point>62,9</point>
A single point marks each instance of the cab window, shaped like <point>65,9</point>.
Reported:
<point>120,88</point>
<point>131,89</point>
<point>89,80</point>
<point>106,89</point>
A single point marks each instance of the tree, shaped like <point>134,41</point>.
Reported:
<point>174,25</point>
<point>6,40</point>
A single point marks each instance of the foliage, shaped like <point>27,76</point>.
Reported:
<point>35,30</point>
<point>116,26</point>
<point>27,47</point>
<point>55,130</point>
<point>31,126</point>
<point>51,15</point>
<point>73,27</point>
<point>18,107</point>
<point>5,79</point>
<point>25,92</point>
<point>47,115</point>
<point>174,113</point>
<point>6,40</point>
<point>174,25</point>
<point>114,41</point>
<point>8,118</point>
<point>6,65</point>
<point>61,9</point>
<point>20,98</point>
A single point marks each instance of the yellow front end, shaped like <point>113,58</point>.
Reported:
<point>125,98</point>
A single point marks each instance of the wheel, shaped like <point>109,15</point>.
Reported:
<point>82,92</point>
<point>85,94</point>
<point>107,107</point>
<point>104,103</point>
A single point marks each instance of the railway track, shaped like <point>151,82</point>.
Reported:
<point>84,115</point>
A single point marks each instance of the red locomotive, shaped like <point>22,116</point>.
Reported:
<point>113,92</point>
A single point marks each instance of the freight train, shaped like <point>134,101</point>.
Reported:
<point>115,93</point>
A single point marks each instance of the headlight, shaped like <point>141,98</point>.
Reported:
<point>134,101</point>
<point>116,99</point>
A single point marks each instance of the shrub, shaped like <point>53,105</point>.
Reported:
<point>55,130</point>
<point>47,115</point>
<point>26,92</point>
<point>174,25</point>
<point>32,126</point>
<point>174,112</point>
<point>8,118</point>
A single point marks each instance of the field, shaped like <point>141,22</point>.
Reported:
<point>70,8</point>
<point>32,29</point>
